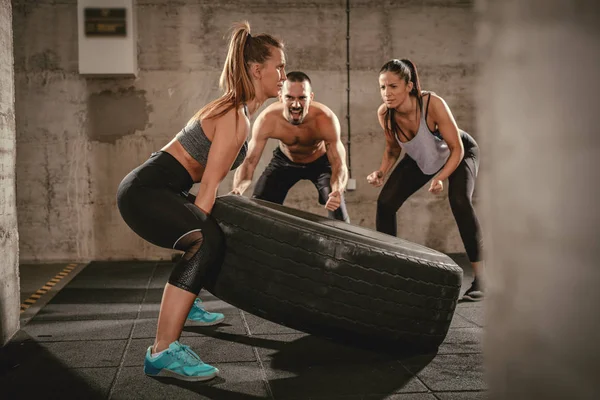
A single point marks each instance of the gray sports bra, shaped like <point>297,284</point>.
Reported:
<point>194,141</point>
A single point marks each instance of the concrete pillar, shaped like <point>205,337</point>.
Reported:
<point>538,106</point>
<point>9,236</point>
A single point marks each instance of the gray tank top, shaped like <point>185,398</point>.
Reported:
<point>428,149</point>
<point>194,141</point>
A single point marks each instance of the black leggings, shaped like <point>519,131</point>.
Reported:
<point>153,200</point>
<point>282,173</point>
<point>407,178</point>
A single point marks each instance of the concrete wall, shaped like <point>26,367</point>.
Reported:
<point>78,137</point>
<point>539,107</point>
<point>9,236</point>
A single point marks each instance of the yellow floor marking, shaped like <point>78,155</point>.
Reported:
<point>40,292</point>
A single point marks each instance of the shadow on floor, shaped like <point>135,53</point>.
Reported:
<point>28,371</point>
<point>311,367</point>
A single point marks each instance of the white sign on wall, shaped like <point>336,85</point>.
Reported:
<point>107,37</point>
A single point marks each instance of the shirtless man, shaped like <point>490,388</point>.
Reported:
<point>309,148</point>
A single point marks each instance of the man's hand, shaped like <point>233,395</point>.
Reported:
<point>235,191</point>
<point>334,200</point>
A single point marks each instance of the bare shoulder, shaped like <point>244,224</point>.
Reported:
<point>436,103</point>
<point>219,115</point>
<point>233,121</point>
<point>271,113</point>
<point>323,114</point>
<point>327,122</point>
<point>381,112</point>
<point>265,123</point>
<point>235,114</point>
<point>321,110</point>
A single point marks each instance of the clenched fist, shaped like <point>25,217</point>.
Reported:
<point>375,178</point>
<point>436,186</point>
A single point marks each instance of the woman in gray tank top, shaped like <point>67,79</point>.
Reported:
<point>154,198</point>
<point>435,150</point>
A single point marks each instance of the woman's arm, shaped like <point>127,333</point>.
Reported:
<point>446,124</point>
<point>392,148</point>
<point>226,144</point>
<point>261,130</point>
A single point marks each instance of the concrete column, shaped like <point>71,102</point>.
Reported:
<point>538,106</point>
<point>9,236</point>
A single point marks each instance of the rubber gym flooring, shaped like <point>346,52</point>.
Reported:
<point>85,328</point>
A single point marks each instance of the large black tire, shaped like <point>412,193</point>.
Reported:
<point>333,279</point>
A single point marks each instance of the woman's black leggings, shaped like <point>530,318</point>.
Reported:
<point>407,178</point>
<point>153,200</point>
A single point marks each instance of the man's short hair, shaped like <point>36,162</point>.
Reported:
<point>297,76</point>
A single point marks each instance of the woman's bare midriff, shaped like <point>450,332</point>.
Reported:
<point>193,167</point>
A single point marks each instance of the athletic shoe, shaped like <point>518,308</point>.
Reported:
<point>179,362</point>
<point>198,316</point>
<point>475,292</point>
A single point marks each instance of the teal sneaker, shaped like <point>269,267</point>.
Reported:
<point>198,316</point>
<point>180,362</point>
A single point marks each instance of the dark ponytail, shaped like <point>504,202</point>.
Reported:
<point>407,71</point>
<point>414,78</point>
